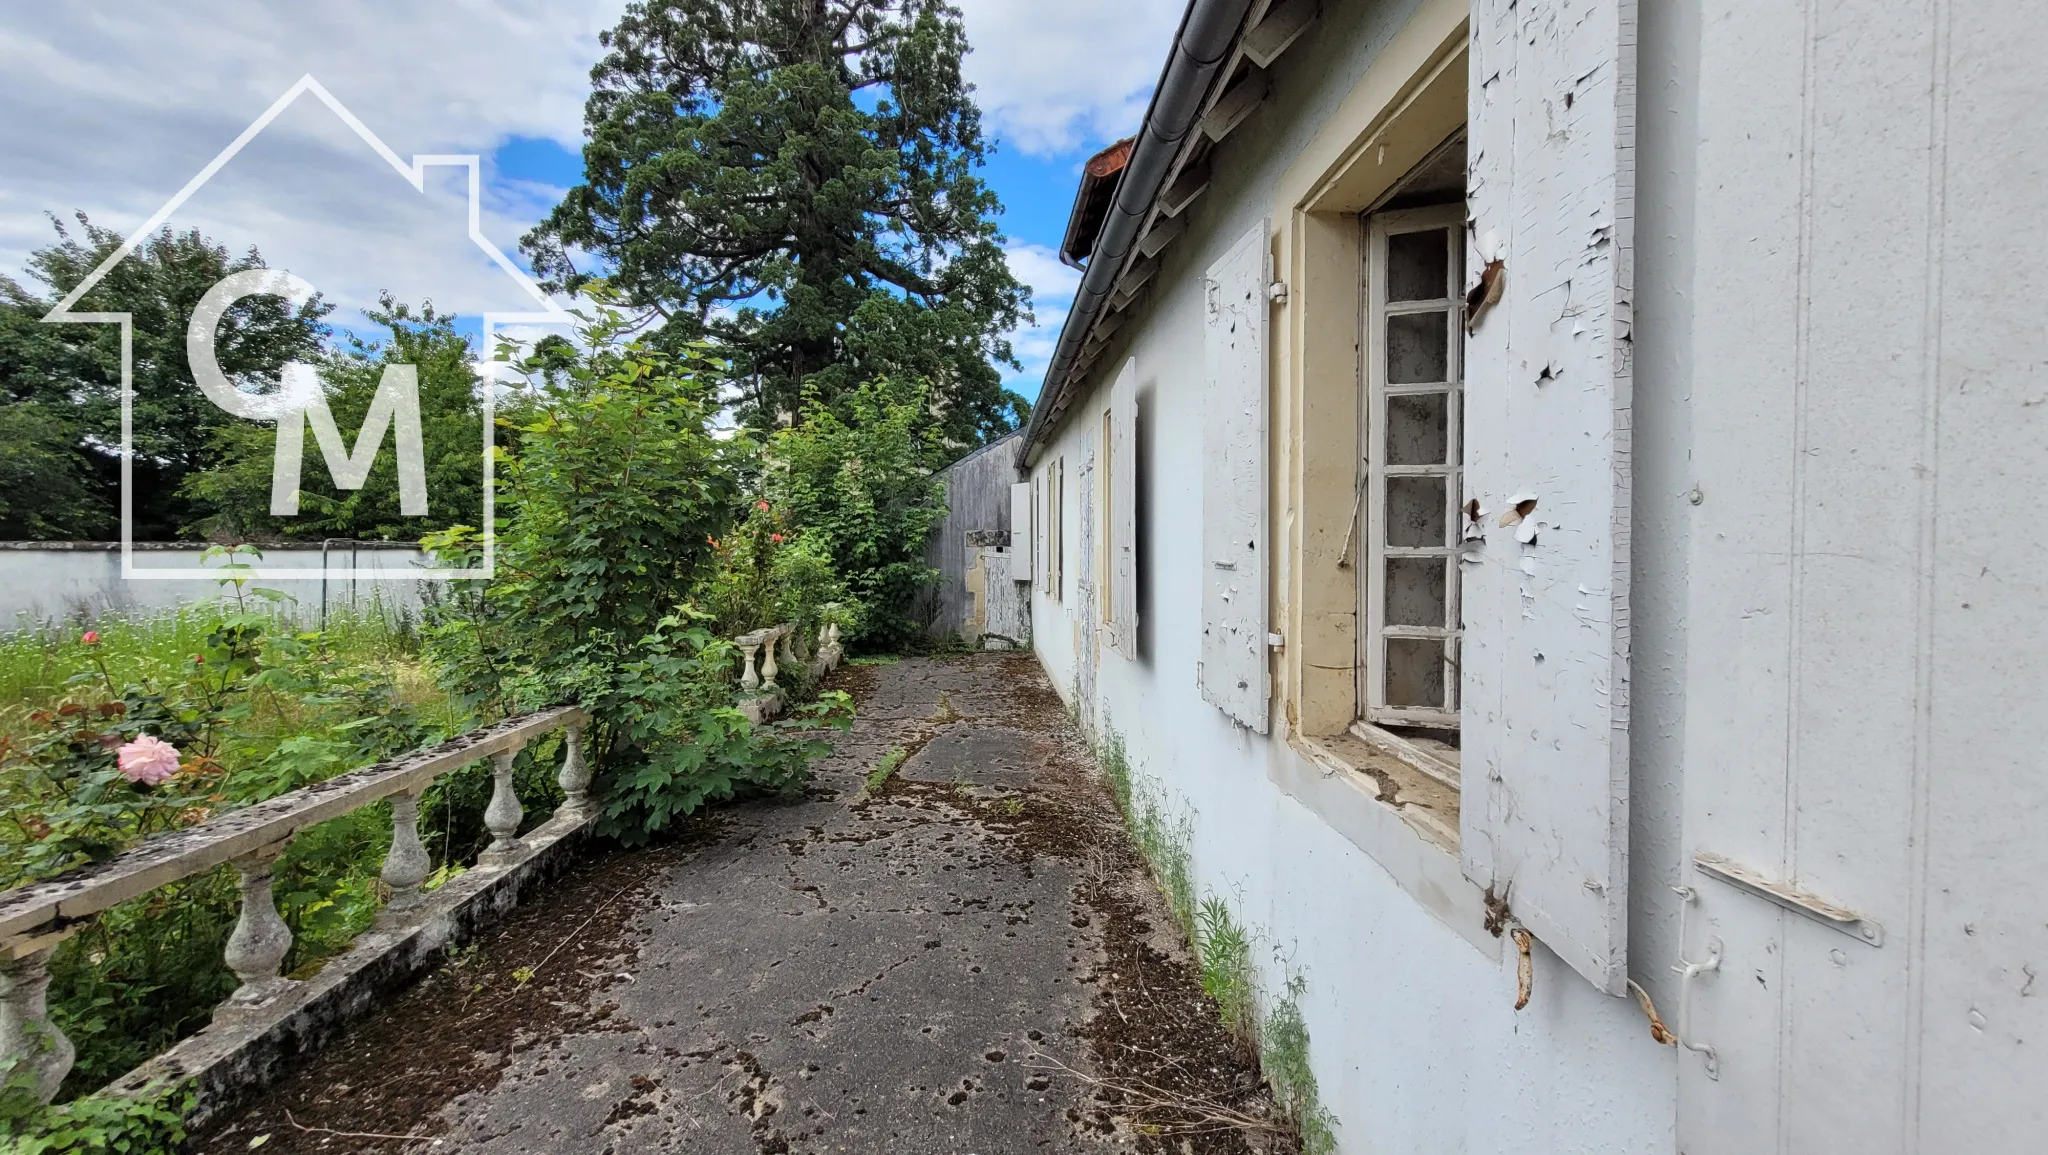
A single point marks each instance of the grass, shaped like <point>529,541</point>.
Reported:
<point>884,770</point>
<point>40,669</point>
<point>1223,951</point>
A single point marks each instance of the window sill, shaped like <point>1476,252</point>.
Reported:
<point>1432,758</point>
<point>1403,819</point>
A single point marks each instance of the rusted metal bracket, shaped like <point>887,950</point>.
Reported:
<point>1784,894</point>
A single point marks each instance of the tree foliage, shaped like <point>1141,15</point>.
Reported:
<point>794,180</point>
<point>73,370</point>
<point>862,487</point>
<point>236,488</point>
<point>615,506</point>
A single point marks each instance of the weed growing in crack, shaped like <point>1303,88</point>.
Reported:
<point>887,767</point>
<point>1283,1055</point>
<point>1225,953</point>
<point>1223,950</point>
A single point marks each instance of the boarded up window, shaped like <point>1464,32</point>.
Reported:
<point>1544,818</point>
<point>1233,670</point>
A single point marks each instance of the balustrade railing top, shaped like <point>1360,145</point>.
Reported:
<point>35,918</point>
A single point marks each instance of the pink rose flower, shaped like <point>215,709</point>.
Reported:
<point>89,638</point>
<point>148,760</point>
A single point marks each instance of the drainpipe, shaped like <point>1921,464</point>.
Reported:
<point>1200,47</point>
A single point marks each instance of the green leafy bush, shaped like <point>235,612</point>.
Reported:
<point>617,504</point>
<point>152,1124</point>
<point>862,488</point>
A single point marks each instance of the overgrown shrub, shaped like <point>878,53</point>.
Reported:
<point>859,483</point>
<point>617,504</point>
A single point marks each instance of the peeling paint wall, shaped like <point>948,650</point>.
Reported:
<point>1866,670</point>
<point>1409,1002</point>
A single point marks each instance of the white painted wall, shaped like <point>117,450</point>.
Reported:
<point>1840,419</point>
<point>43,585</point>
<point>1869,617</point>
<point>1409,1003</point>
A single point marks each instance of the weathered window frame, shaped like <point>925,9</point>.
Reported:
<point>1376,635</point>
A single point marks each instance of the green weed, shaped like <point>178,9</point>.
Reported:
<point>1225,954</point>
<point>1163,835</point>
<point>885,769</point>
<point>1283,1055</point>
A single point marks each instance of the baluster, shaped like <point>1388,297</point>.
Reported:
<point>768,666</point>
<point>406,866</point>
<point>503,814</point>
<point>799,649</point>
<point>575,777</point>
<point>829,649</point>
<point>29,1041</point>
<point>260,940</point>
<point>789,658</point>
<point>749,682</point>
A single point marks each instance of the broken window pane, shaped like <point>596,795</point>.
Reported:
<point>1417,429</point>
<point>1415,511</point>
<point>1418,348</point>
<point>1415,591</point>
<point>1415,672</point>
<point>1418,266</point>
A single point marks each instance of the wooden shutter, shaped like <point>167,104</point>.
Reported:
<point>1233,669</point>
<point>1545,718</point>
<point>1123,518</point>
<point>1020,531</point>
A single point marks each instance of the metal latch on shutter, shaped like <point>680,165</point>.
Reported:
<point>1797,901</point>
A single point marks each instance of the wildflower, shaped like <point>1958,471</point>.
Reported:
<point>89,638</point>
<point>776,538</point>
<point>148,760</point>
<point>199,659</point>
<point>762,505</point>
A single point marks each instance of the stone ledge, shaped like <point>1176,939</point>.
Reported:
<point>239,1054</point>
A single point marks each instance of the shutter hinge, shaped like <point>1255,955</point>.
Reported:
<point>1275,641</point>
<point>1277,292</point>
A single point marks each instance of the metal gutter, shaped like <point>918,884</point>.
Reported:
<point>1208,30</point>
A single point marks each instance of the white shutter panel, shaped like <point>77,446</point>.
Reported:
<point>1020,531</point>
<point>1546,654</point>
<point>1123,488</point>
<point>1233,668</point>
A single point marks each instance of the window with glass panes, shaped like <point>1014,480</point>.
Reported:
<point>1410,454</point>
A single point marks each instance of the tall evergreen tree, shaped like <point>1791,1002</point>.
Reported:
<point>793,180</point>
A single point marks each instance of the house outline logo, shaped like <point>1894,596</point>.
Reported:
<point>292,407</point>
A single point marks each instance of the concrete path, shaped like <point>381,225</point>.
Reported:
<point>968,961</point>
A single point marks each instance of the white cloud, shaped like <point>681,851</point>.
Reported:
<point>114,106</point>
<point>1054,75</point>
<point>1053,286</point>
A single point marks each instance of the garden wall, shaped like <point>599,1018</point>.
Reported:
<point>45,583</point>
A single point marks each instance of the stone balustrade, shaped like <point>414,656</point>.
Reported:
<point>35,919</point>
<point>778,648</point>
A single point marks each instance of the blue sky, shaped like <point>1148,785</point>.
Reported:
<point>114,106</point>
<point>1036,191</point>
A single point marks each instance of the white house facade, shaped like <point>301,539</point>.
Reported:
<point>1544,491</point>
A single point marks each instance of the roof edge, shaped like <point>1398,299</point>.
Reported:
<point>1202,44</point>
